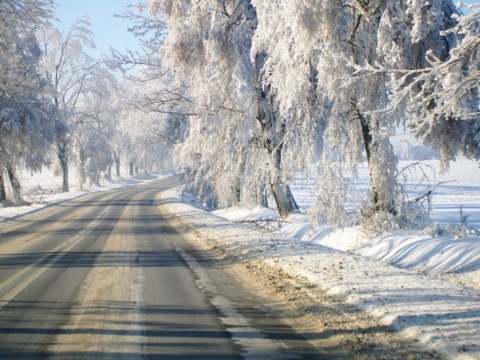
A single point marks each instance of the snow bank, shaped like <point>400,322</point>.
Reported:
<point>441,315</point>
<point>425,253</point>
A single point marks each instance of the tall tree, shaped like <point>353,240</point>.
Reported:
<point>25,113</point>
<point>342,41</point>
<point>314,50</point>
<point>70,70</point>
<point>208,50</point>
<point>95,141</point>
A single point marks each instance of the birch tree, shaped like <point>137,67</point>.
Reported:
<point>345,43</point>
<point>314,50</point>
<point>266,81</point>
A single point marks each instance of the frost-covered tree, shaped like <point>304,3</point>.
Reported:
<point>272,86</point>
<point>154,124</point>
<point>70,70</point>
<point>25,112</point>
<point>208,50</point>
<point>353,53</point>
<point>433,52</point>
<point>96,138</point>
<point>318,46</point>
<point>150,32</point>
<point>91,152</point>
<point>155,108</point>
<point>113,114</point>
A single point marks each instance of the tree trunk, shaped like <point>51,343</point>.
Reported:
<point>17,190</point>
<point>284,199</point>
<point>82,174</point>
<point>381,199</point>
<point>367,143</point>
<point>3,192</point>
<point>282,195</point>
<point>273,133</point>
<point>62,157</point>
<point>262,199</point>
<point>116,158</point>
<point>237,185</point>
<point>131,168</point>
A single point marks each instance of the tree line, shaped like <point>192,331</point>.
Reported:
<point>243,94</point>
<point>59,106</point>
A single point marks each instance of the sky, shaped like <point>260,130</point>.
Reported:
<point>109,31</point>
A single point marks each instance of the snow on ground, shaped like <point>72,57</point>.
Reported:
<point>457,192</point>
<point>42,190</point>
<point>439,314</point>
<point>432,291</point>
<point>431,294</point>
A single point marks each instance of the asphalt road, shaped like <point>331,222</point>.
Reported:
<point>109,275</point>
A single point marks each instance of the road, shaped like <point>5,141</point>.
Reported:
<point>109,275</point>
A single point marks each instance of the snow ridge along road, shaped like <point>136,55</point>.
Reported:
<point>441,316</point>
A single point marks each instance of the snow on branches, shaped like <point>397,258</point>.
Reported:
<point>273,87</point>
<point>26,114</point>
<point>435,76</point>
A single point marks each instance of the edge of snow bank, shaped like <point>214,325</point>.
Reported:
<point>442,316</point>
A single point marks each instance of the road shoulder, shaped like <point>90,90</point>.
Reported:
<point>328,292</point>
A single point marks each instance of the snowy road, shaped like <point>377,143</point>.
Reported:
<point>108,276</point>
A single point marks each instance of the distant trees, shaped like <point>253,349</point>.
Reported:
<point>95,144</point>
<point>53,94</point>
<point>150,125</point>
<point>155,108</point>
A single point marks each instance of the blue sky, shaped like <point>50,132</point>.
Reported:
<point>109,31</point>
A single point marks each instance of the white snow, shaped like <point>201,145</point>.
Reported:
<point>427,287</point>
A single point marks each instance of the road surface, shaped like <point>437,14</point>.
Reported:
<point>109,276</point>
